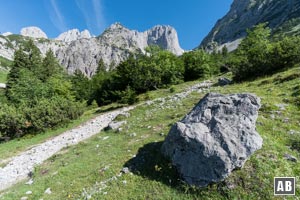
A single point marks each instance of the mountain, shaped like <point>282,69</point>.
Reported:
<point>78,50</point>
<point>73,35</point>
<point>282,16</point>
<point>34,32</point>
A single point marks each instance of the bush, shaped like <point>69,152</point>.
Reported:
<point>46,114</point>
<point>258,56</point>
<point>12,122</point>
<point>49,113</point>
<point>127,96</point>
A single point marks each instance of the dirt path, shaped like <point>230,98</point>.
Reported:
<point>22,165</point>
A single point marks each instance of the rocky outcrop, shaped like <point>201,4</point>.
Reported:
<point>78,50</point>
<point>215,138</point>
<point>34,32</point>
<point>73,35</point>
<point>281,15</point>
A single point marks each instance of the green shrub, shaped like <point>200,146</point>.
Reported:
<point>48,113</point>
<point>127,96</point>
<point>12,121</point>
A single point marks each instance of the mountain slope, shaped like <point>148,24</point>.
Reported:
<point>281,15</point>
<point>78,50</point>
<point>94,169</point>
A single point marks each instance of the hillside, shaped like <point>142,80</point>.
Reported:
<point>283,16</point>
<point>92,169</point>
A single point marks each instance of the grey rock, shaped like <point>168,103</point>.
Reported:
<point>281,106</point>
<point>132,135</point>
<point>30,182</point>
<point>29,192</point>
<point>244,14</point>
<point>48,191</point>
<point>215,138</point>
<point>290,158</point>
<point>2,85</point>
<point>115,125</point>
<point>223,81</point>
<point>125,170</point>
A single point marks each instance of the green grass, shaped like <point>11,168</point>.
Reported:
<point>3,76</point>
<point>93,166</point>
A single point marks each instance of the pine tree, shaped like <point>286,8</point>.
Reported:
<point>21,61</point>
<point>50,66</point>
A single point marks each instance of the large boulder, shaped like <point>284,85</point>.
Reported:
<point>215,138</point>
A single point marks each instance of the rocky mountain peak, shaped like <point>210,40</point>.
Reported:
<point>33,31</point>
<point>116,25</point>
<point>244,14</point>
<point>73,35</point>
<point>165,36</point>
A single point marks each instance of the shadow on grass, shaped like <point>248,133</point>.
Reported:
<point>151,164</point>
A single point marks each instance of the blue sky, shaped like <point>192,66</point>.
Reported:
<point>192,19</point>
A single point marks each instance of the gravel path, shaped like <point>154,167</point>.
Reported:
<point>22,165</point>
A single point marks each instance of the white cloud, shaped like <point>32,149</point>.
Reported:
<point>93,14</point>
<point>98,10</point>
<point>56,17</point>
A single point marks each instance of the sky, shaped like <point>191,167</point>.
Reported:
<point>193,19</point>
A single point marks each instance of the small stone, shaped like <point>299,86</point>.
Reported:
<point>290,157</point>
<point>97,146</point>
<point>48,191</point>
<point>281,106</point>
<point>105,193</point>
<point>272,116</point>
<point>291,132</point>
<point>30,182</point>
<point>149,127</point>
<point>286,120</point>
<point>162,134</point>
<point>28,192</point>
<point>125,170</point>
<point>223,81</point>
<point>132,135</point>
<point>24,198</point>
<point>105,138</point>
<point>124,182</point>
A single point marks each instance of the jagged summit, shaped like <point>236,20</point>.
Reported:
<point>33,31</point>
<point>73,34</point>
<point>78,50</point>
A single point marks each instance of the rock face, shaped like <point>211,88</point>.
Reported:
<point>281,15</point>
<point>33,32</point>
<point>73,35</point>
<point>115,45</point>
<point>78,50</point>
<point>215,138</point>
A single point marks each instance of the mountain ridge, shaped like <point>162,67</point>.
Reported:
<point>79,50</point>
<point>244,14</point>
